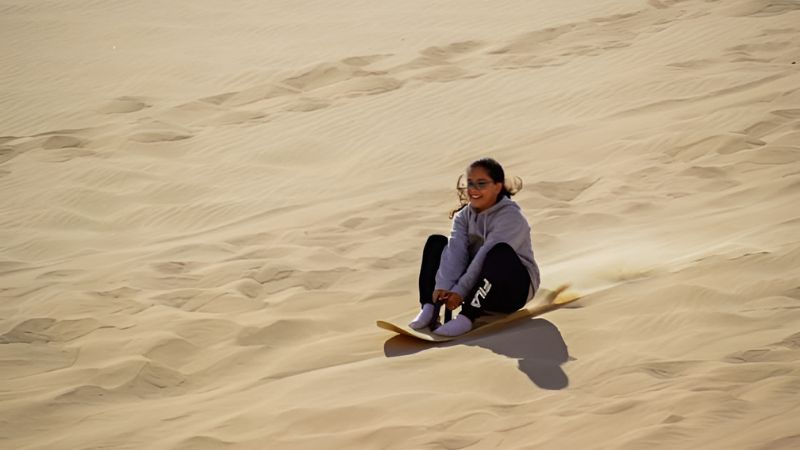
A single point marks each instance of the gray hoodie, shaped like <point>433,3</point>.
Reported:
<point>473,235</point>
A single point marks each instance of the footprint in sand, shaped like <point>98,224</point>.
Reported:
<point>433,58</point>
<point>153,131</point>
<point>59,274</point>
<point>130,377</point>
<point>360,86</point>
<point>792,341</point>
<point>54,146</point>
<point>7,154</point>
<point>124,105</point>
<point>353,222</point>
<point>174,267</point>
<point>218,99</point>
<point>764,52</point>
<point>701,63</point>
<point>665,369</point>
<point>363,61</point>
<point>762,8</point>
<point>203,442</point>
<point>49,330</point>
<point>250,95</point>
<point>532,41</point>
<point>62,141</point>
<point>749,356</point>
<point>444,74</point>
<point>321,75</point>
<point>173,352</point>
<point>723,144</point>
<point>277,279</point>
<point>792,113</point>
<point>447,52</point>
<point>235,117</point>
<point>565,191</point>
<point>307,105</point>
<point>149,137</point>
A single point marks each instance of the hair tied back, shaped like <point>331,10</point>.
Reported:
<point>513,184</point>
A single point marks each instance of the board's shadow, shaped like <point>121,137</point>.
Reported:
<point>536,344</point>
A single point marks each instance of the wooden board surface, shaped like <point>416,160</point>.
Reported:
<point>486,323</point>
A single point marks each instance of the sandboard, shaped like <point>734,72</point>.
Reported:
<point>554,300</point>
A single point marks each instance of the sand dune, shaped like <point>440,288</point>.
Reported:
<point>206,206</point>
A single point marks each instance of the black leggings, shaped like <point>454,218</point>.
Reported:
<point>502,287</point>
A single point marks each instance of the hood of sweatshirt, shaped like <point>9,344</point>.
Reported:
<point>479,221</point>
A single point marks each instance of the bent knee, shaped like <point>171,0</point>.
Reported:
<point>436,241</point>
<point>437,238</point>
<point>501,249</point>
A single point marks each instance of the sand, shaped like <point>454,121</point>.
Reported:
<point>206,205</point>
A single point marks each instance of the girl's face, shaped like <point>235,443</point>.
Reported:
<point>481,189</point>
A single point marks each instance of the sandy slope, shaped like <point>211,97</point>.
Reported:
<point>205,206</point>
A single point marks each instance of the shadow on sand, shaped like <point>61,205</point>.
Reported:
<point>536,344</point>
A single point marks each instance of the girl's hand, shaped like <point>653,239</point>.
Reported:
<point>453,300</point>
<point>438,295</point>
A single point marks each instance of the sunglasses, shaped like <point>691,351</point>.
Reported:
<point>479,185</point>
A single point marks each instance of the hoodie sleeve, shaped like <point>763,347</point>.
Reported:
<point>456,255</point>
<point>509,227</point>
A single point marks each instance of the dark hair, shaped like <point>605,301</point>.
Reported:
<point>496,173</point>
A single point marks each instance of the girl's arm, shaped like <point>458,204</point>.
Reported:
<point>511,228</point>
<point>456,255</point>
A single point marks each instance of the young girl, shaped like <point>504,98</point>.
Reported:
<point>487,264</point>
